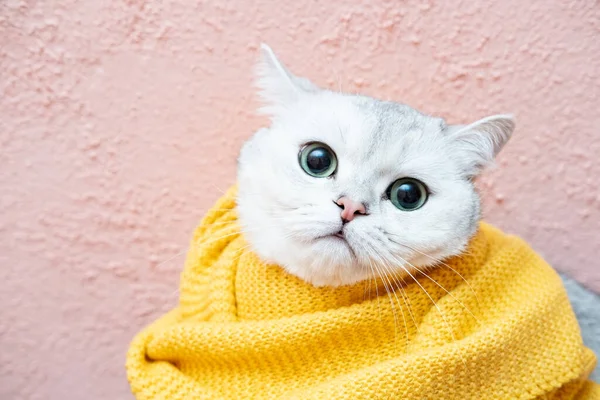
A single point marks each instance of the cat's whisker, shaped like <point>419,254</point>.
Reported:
<point>213,240</point>
<point>235,233</point>
<point>385,276</point>
<point>198,245</point>
<point>376,290</point>
<point>242,253</point>
<point>223,192</point>
<point>439,262</point>
<point>367,283</point>
<point>378,306</point>
<point>241,249</point>
<point>182,252</point>
<point>217,223</point>
<point>407,300</point>
<point>445,290</point>
<point>402,293</point>
<point>392,275</point>
<point>387,290</point>
<point>372,281</point>
<point>389,277</point>
<point>432,300</point>
<point>342,137</point>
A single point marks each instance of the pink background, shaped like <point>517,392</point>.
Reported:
<point>120,123</point>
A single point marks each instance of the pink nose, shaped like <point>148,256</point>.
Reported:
<point>350,208</point>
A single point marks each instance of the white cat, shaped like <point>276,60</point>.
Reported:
<point>341,187</point>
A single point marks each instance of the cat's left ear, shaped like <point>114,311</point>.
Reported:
<point>279,88</point>
<point>479,143</point>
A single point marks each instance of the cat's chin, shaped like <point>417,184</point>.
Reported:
<point>325,261</point>
<point>348,275</point>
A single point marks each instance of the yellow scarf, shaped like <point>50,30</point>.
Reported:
<point>502,328</point>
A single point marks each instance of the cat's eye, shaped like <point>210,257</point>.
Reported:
<point>318,160</point>
<point>407,194</point>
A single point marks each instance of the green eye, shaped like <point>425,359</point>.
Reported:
<point>407,194</point>
<point>318,160</point>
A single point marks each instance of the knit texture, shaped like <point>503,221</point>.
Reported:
<point>501,328</point>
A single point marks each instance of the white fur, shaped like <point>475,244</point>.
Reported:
<point>285,213</point>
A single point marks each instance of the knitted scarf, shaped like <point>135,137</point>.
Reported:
<point>494,323</point>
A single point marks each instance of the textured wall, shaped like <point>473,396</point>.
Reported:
<point>120,122</point>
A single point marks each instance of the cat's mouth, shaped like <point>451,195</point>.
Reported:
<point>338,236</point>
<point>341,238</point>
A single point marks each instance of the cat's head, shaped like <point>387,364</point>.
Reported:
<point>341,187</point>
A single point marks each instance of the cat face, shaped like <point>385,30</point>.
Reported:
<point>342,188</point>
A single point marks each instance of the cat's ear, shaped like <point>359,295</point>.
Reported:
<point>278,87</point>
<point>477,144</point>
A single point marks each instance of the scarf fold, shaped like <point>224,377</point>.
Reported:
<point>494,323</point>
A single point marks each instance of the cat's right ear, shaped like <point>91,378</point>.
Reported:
<point>480,142</point>
<point>278,88</point>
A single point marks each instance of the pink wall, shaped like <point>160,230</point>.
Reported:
<point>120,122</point>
